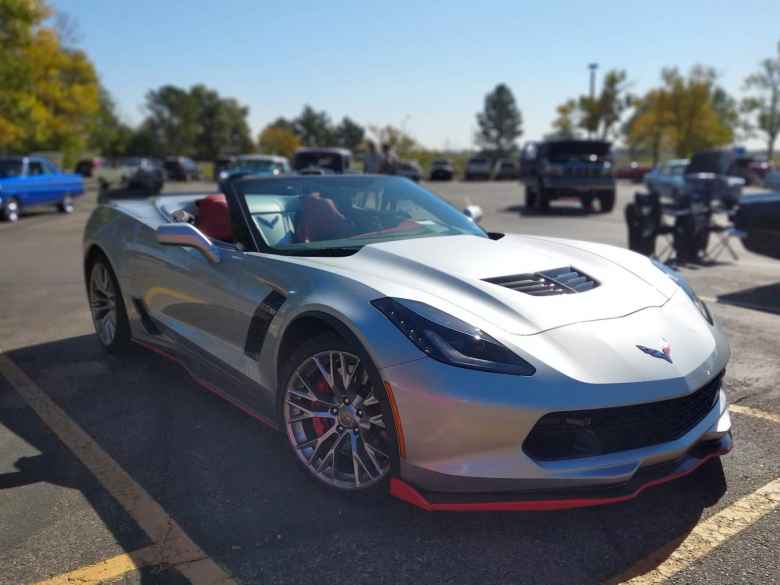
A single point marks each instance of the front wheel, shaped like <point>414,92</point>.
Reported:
<point>66,205</point>
<point>542,198</point>
<point>11,210</point>
<point>336,415</point>
<point>530,199</point>
<point>108,309</point>
<point>607,201</point>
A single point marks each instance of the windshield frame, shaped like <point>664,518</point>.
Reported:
<point>250,236</point>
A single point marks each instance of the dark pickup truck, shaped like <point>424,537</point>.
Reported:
<point>556,169</point>
<point>758,217</point>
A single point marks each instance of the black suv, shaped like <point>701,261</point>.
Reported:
<point>580,169</point>
<point>181,168</point>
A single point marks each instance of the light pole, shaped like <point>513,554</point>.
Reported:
<point>592,67</point>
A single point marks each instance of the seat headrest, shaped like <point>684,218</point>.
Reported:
<point>213,218</point>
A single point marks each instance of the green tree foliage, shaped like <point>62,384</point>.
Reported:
<point>349,134</point>
<point>195,122</point>
<point>49,94</point>
<point>566,122</point>
<point>764,103</point>
<point>109,135</point>
<point>314,128</point>
<point>500,122</point>
<point>279,140</point>
<point>601,114</point>
<point>684,114</point>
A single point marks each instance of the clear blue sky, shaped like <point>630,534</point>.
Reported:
<point>426,64</point>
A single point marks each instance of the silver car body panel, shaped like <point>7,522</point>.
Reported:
<point>463,429</point>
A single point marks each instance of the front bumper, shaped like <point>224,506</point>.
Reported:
<point>564,499</point>
<point>572,185</point>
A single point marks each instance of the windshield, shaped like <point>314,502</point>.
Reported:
<point>10,168</point>
<point>319,213</point>
<point>577,150</point>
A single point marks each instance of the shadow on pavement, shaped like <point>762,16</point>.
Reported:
<point>554,211</point>
<point>760,298</point>
<point>235,488</point>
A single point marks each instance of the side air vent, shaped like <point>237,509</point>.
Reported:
<point>559,281</point>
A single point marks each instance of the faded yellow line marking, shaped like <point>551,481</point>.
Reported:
<point>175,548</point>
<point>108,570</point>
<point>703,539</point>
<point>754,412</point>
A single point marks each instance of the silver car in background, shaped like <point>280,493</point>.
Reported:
<point>400,347</point>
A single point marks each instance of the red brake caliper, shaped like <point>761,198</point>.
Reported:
<point>321,425</point>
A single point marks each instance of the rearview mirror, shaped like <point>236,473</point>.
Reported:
<point>185,234</point>
<point>473,212</point>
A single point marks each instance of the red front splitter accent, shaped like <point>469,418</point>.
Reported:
<point>403,491</point>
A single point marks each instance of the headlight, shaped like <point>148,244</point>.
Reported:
<point>450,340</point>
<point>683,283</point>
<point>223,175</point>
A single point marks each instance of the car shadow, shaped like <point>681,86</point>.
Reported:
<point>760,298</point>
<point>553,211</point>
<point>236,490</point>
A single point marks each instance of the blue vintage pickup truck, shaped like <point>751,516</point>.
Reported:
<point>29,181</point>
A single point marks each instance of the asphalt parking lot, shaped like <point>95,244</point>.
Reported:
<point>122,468</point>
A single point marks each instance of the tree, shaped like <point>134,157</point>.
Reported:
<point>686,114</point>
<point>314,128</point>
<point>278,140</point>
<point>566,123</point>
<point>600,114</point>
<point>500,123</point>
<point>49,94</point>
<point>109,135</point>
<point>349,134</point>
<point>403,144</point>
<point>764,104</point>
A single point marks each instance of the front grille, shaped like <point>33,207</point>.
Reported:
<point>587,433</point>
<point>559,281</point>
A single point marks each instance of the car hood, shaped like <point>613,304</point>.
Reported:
<point>449,273</point>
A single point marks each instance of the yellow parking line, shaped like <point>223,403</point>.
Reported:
<point>703,539</point>
<point>175,548</point>
<point>754,412</point>
<point>110,569</point>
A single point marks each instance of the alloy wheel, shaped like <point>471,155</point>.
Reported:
<point>102,300</point>
<point>11,211</point>
<point>335,421</point>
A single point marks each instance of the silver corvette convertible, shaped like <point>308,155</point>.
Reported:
<point>399,346</point>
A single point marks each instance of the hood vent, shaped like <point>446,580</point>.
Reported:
<point>559,281</point>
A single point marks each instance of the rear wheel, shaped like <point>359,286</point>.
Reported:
<point>336,415</point>
<point>542,198</point>
<point>587,203</point>
<point>530,198</point>
<point>108,309</point>
<point>607,201</point>
<point>66,205</point>
<point>11,210</point>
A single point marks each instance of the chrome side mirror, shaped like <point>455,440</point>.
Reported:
<point>185,234</point>
<point>473,212</point>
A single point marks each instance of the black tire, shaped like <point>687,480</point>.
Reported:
<point>542,198</point>
<point>103,185</point>
<point>11,210</point>
<point>66,205</point>
<point>121,338</point>
<point>607,201</point>
<point>530,198</point>
<point>587,203</point>
<point>330,342</point>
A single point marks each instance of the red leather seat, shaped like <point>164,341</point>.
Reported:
<point>320,220</point>
<point>213,218</point>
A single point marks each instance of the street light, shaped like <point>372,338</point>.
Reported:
<point>593,67</point>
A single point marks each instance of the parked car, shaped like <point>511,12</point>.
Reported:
<point>758,217</point>
<point>398,347</point>
<point>751,168</point>
<point>579,169</point>
<point>668,178</point>
<point>478,168</point>
<point>712,176</point>
<point>181,168</point>
<point>322,160</point>
<point>505,170</point>
<point>87,166</point>
<point>633,171</point>
<point>441,170</point>
<point>27,181</point>
<point>772,180</point>
<point>409,169</point>
<point>254,164</point>
<point>145,174</point>
<point>220,165</point>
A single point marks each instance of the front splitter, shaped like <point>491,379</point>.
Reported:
<point>538,501</point>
